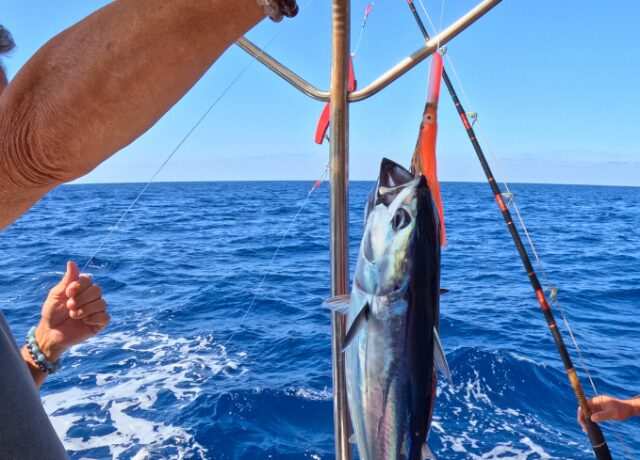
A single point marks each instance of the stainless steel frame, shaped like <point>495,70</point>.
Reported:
<point>385,79</point>
<point>289,76</point>
<point>339,165</point>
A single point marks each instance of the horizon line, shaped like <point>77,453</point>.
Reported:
<point>314,180</point>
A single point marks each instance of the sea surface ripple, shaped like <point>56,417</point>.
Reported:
<point>186,371</point>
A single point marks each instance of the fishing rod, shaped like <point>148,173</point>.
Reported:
<point>598,443</point>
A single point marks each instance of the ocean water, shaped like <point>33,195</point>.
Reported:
<point>217,349</point>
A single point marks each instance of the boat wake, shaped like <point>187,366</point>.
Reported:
<point>131,411</point>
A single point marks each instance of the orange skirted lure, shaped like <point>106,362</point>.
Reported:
<point>424,157</point>
<point>323,122</point>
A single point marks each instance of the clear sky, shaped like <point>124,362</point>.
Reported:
<point>554,83</point>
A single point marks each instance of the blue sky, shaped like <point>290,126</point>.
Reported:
<point>554,84</point>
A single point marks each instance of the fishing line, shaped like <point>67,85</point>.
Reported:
<point>512,202</point>
<point>441,16</point>
<point>269,270</point>
<point>181,143</point>
<point>485,139</point>
<point>426,13</point>
<point>170,156</point>
<point>568,327</point>
<point>367,12</point>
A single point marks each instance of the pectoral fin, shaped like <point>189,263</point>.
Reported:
<point>339,303</point>
<point>356,326</point>
<point>439,357</point>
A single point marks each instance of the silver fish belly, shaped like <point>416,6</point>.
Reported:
<point>393,315</point>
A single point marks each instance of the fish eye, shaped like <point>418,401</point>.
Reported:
<point>400,219</point>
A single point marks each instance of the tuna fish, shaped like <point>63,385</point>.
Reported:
<point>392,346</point>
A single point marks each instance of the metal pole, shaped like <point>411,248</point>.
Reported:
<point>598,443</point>
<point>339,172</point>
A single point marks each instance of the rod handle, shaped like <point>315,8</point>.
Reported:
<point>599,445</point>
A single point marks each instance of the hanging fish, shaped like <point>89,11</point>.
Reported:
<point>392,345</point>
<point>424,157</point>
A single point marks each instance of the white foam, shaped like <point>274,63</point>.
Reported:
<point>469,402</point>
<point>182,365</point>
<point>311,394</point>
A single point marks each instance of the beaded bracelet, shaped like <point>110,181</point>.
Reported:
<point>38,357</point>
<point>276,9</point>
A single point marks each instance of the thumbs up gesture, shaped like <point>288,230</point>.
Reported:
<point>73,312</point>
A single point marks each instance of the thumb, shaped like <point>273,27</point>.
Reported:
<point>72,274</point>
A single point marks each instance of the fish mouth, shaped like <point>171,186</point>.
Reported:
<point>393,175</point>
<point>393,178</point>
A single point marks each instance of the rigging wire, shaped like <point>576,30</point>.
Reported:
<point>269,270</point>
<point>177,148</point>
<point>512,202</point>
<point>441,17</point>
<point>426,13</point>
<point>181,143</point>
<point>163,164</point>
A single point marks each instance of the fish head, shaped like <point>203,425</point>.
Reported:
<point>392,222</point>
<point>392,176</point>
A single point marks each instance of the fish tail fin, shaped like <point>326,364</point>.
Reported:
<point>421,453</point>
<point>426,453</point>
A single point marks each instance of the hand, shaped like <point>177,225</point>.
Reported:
<point>606,408</point>
<point>73,312</point>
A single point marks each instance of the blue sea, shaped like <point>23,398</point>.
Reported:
<point>219,350</point>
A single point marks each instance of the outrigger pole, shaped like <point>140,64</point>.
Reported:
<point>600,447</point>
<point>339,165</point>
<point>339,209</point>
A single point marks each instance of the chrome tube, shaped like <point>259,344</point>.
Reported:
<point>339,208</point>
<point>385,79</point>
<point>288,75</point>
<point>416,58</point>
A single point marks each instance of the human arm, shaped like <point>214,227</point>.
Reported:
<point>100,84</point>
<point>605,408</point>
<point>73,312</point>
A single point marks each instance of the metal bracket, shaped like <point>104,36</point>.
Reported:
<point>509,197</point>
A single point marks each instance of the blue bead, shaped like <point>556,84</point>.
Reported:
<point>41,358</point>
<point>32,341</point>
<point>35,349</point>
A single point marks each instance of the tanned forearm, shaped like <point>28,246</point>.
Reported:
<point>100,84</point>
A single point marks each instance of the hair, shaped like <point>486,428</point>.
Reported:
<point>6,41</point>
<point>6,45</point>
